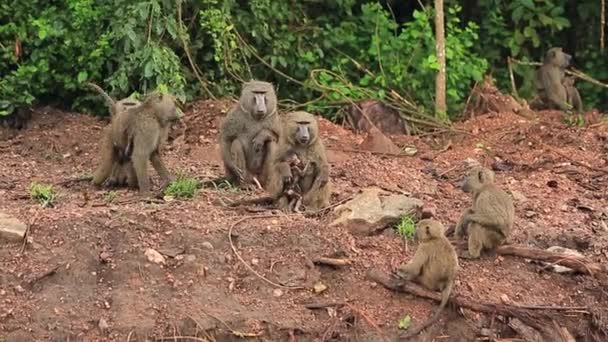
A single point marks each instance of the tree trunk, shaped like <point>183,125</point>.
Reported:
<point>440,105</point>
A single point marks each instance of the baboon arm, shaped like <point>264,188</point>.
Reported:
<point>460,229</point>
<point>556,91</point>
<point>320,181</point>
<point>484,220</point>
<point>283,175</point>
<point>413,268</point>
<point>159,166</point>
<point>226,149</point>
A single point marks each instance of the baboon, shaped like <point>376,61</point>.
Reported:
<point>434,266</point>
<point>549,81</point>
<point>114,106</point>
<point>138,134</point>
<point>301,135</point>
<point>249,134</point>
<point>489,220</point>
<point>574,97</point>
<point>120,175</point>
<point>292,192</point>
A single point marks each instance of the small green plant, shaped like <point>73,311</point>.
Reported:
<point>406,227</point>
<point>45,194</point>
<point>574,120</point>
<point>182,187</point>
<point>405,322</point>
<point>110,196</point>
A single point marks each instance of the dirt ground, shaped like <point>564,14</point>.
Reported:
<point>103,288</point>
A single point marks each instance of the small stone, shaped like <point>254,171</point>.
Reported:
<point>154,256</point>
<point>505,299</point>
<point>255,261</point>
<point>11,229</point>
<point>202,271</point>
<point>518,196</point>
<point>190,258</point>
<point>103,326</point>
<point>530,214</point>
<point>207,245</point>
<point>410,150</point>
<point>277,292</point>
<point>486,332</point>
<point>319,287</point>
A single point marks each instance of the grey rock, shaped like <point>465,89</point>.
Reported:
<point>374,209</point>
<point>11,229</point>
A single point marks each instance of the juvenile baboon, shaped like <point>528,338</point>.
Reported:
<point>301,135</point>
<point>489,220</point>
<point>114,106</point>
<point>138,134</point>
<point>574,97</point>
<point>549,81</point>
<point>249,134</point>
<point>434,266</point>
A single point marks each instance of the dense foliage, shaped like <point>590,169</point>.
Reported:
<point>322,54</point>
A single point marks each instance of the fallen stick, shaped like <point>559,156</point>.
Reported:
<point>535,320</point>
<point>581,265</point>
<point>331,261</point>
<point>323,305</point>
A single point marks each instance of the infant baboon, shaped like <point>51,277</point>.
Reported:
<point>434,266</point>
<point>574,97</point>
<point>115,106</point>
<point>301,135</point>
<point>291,196</point>
<point>549,81</point>
<point>138,135</point>
<point>489,220</point>
<point>249,134</point>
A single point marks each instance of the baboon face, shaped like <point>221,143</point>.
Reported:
<point>428,229</point>
<point>557,57</point>
<point>302,128</point>
<point>259,99</point>
<point>291,158</point>
<point>476,178</point>
<point>166,106</point>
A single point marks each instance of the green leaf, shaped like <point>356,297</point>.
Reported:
<point>82,76</point>
<point>149,69</point>
<point>561,22</point>
<point>405,322</point>
<point>527,3</point>
<point>529,32</point>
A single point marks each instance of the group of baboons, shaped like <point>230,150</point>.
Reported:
<point>286,156</point>
<point>282,154</point>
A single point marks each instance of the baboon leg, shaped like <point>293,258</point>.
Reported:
<point>238,155</point>
<point>475,241</point>
<point>140,164</point>
<point>460,229</point>
<point>159,166</point>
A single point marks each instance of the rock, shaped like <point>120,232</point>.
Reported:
<point>11,229</point>
<point>374,209</point>
<point>518,196</point>
<point>190,258</point>
<point>319,287</point>
<point>277,292</point>
<point>103,326</point>
<point>207,245</point>
<point>154,256</point>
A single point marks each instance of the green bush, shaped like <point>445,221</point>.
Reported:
<point>44,194</point>
<point>183,187</point>
<point>406,228</point>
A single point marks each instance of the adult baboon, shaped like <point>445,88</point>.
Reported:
<point>301,135</point>
<point>249,134</point>
<point>138,135</point>
<point>549,81</point>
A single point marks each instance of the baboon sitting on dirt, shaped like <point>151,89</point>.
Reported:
<point>301,135</point>
<point>549,81</point>
<point>489,220</point>
<point>249,134</point>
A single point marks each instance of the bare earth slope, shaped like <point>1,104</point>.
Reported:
<point>558,175</point>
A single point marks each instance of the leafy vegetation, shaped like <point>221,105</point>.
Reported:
<point>44,194</point>
<point>321,55</point>
<point>406,227</point>
<point>182,187</point>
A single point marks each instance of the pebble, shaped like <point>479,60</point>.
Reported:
<point>154,256</point>
<point>207,245</point>
<point>103,326</point>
